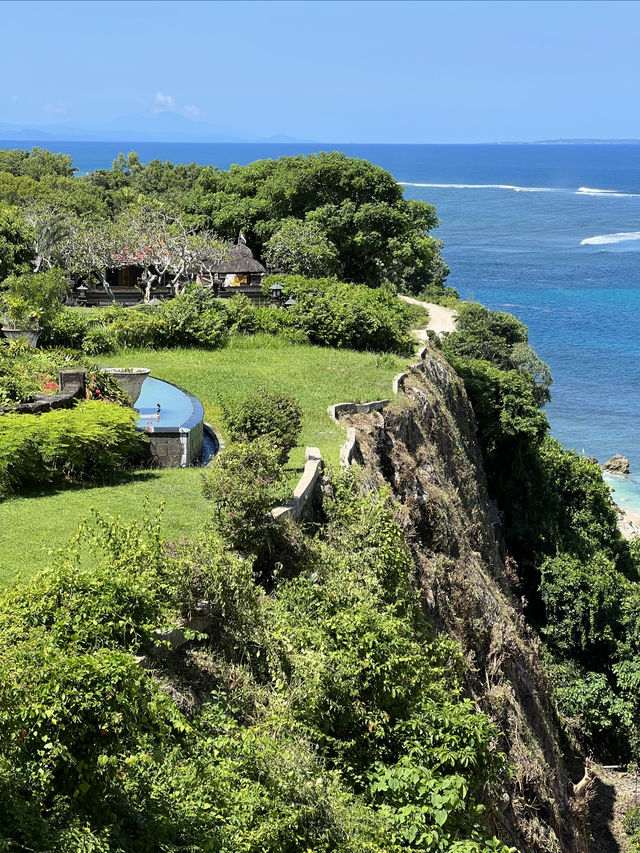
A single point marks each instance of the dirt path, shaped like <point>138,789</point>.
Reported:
<point>440,319</point>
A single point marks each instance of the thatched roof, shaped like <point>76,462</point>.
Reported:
<point>240,260</point>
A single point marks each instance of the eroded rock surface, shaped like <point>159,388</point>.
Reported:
<point>618,464</point>
<point>424,445</point>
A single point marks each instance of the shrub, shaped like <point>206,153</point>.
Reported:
<point>241,484</point>
<point>88,442</point>
<point>66,329</point>
<point>32,299</point>
<point>242,317</point>
<point>183,323</point>
<point>271,414</point>
<point>336,314</point>
<point>99,340</point>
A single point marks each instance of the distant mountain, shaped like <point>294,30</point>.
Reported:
<point>157,127</point>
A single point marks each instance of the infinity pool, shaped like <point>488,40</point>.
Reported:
<point>177,407</point>
<point>173,419</point>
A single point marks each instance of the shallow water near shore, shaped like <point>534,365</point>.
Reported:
<point>550,233</point>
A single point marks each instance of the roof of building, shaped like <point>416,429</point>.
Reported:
<point>240,260</point>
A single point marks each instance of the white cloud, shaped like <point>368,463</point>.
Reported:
<point>168,104</point>
<point>165,103</point>
<point>59,108</point>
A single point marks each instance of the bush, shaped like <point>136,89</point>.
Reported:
<point>193,319</point>
<point>183,323</point>
<point>32,299</point>
<point>99,340</point>
<point>336,314</point>
<point>241,483</point>
<point>88,442</point>
<point>270,414</point>
<point>67,329</point>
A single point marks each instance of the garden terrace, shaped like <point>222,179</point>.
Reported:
<point>33,526</point>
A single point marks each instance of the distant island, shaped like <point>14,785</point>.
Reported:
<point>587,142</point>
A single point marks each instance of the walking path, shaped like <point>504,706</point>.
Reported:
<point>440,319</point>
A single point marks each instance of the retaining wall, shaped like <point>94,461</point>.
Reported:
<point>72,388</point>
<point>350,452</point>
<point>301,503</point>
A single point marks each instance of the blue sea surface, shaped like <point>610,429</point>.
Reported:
<point>515,219</point>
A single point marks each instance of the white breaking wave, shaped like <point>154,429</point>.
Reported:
<point>590,191</point>
<point>604,239</point>
<point>483,187</point>
<point>610,193</point>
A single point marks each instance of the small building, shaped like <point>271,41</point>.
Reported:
<point>240,272</point>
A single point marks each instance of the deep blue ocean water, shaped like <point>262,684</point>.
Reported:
<point>515,219</point>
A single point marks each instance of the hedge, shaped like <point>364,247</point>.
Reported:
<point>85,443</point>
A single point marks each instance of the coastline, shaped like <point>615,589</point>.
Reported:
<point>628,522</point>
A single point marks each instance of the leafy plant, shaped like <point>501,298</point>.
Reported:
<point>274,415</point>
<point>32,299</point>
<point>241,483</point>
<point>88,442</point>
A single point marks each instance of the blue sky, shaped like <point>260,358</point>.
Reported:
<point>327,71</point>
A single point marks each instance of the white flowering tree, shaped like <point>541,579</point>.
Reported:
<point>159,241</point>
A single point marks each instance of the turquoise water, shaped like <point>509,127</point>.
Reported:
<point>548,232</point>
<point>176,407</point>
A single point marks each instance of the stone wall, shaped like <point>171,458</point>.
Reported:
<point>175,448</point>
<point>301,503</point>
<point>72,388</point>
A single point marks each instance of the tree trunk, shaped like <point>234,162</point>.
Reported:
<point>106,285</point>
<point>148,280</point>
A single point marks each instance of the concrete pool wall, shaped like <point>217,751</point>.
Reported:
<point>176,429</point>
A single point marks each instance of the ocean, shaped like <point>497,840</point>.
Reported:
<point>548,232</point>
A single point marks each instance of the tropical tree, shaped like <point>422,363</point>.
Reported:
<point>15,241</point>
<point>302,248</point>
<point>50,226</point>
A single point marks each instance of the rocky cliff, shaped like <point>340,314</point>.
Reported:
<point>423,444</point>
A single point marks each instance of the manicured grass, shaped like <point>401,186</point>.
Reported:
<point>316,376</point>
<point>32,526</point>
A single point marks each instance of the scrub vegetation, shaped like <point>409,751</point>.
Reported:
<point>182,674</point>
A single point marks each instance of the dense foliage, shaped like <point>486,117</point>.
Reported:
<point>324,713</point>
<point>241,484</point>
<point>321,214</point>
<point>88,442</point>
<point>327,313</point>
<point>266,414</point>
<point>581,578</point>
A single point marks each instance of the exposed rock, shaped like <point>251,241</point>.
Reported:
<point>428,453</point>
<point>618,464</point>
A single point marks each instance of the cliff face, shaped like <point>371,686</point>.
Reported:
<point>424,446</point>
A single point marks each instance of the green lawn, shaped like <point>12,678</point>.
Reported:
<point>32,526</point>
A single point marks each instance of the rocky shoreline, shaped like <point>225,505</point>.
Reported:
<point>628,522</point>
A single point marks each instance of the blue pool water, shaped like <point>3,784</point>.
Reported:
<point>548,232</point>
<point>176,407</point>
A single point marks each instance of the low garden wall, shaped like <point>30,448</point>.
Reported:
<point>301,503</point>
<point>72,387</point>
